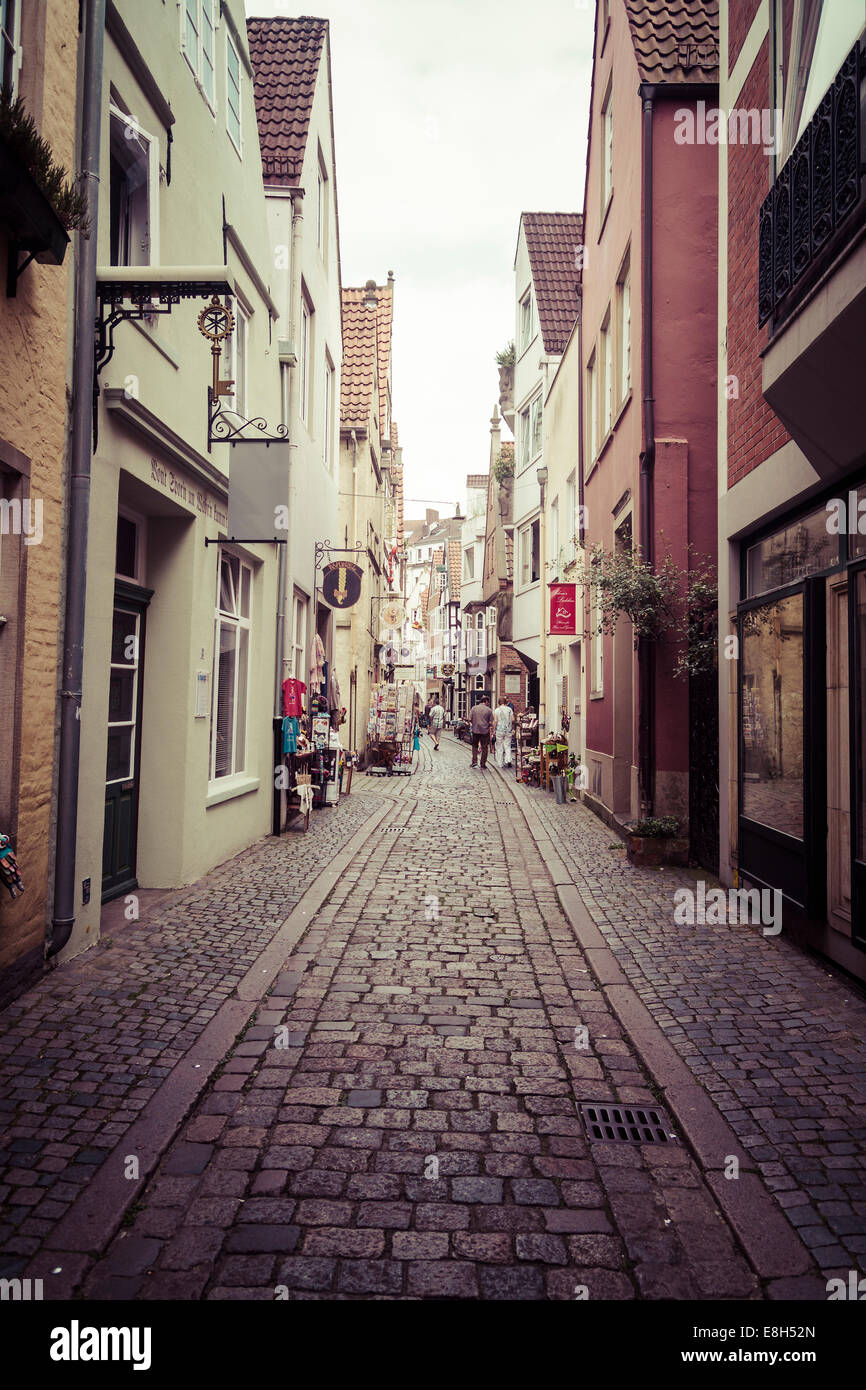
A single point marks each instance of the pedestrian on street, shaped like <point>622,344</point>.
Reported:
<point>481,723</point>
<point>503,728</point>
<point>437,719</point>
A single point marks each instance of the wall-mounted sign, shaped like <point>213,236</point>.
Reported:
<point>563,609</point>
<point>448,669</point>
<point>341,583</point>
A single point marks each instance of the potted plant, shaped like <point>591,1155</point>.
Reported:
<point>655,841</point>
<point>39,206</point>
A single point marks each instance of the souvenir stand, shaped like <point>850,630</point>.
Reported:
<point>390,728</point>
<point>527,764</point>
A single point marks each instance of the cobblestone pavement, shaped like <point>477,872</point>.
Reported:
<point>83,1051</point>
<point>399,1119</point>
<point>775,1037</point>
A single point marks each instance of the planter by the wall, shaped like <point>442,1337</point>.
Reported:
<point>651,851</point>
<point>27,216</point>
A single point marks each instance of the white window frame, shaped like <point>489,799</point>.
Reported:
<point>469,563</point>
<point>200,61</point>
<point>133,664</point>
<point>304,382</point>
<point>597,648</point>
<point>525,438</point>
<point>10,43</point>
<point>536,430</point>
<point>240,623</point>
<point>606,148</point>
<point>300,611</point>
<point>328,415</point>
<point>231,47</point>
<point>235,361</point>
<point>623,332</point>
<point>528,325</point>
<point>605,383</point>
<point>591,409</point>
<point>148,243</point>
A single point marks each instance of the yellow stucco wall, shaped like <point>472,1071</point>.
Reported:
<point>33,414</point>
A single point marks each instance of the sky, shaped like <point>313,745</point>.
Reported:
<point>451,118</point>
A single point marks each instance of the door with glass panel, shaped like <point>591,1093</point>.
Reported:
<point>857,606</point>
<point>124,730</point>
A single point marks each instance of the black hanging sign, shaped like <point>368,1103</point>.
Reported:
<point>341,583</point>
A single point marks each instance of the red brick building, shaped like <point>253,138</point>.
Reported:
<point>792,464</point>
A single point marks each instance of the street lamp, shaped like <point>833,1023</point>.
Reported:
<point>541,475</point>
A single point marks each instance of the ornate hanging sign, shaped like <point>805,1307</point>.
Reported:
<point>341,583</point>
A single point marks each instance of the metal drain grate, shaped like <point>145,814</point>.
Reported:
<point>393,829</point>
<point>627,1124</point>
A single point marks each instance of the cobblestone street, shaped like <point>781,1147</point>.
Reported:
<point>346,1066</point>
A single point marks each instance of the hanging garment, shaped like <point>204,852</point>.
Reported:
<point>294,692</point>
<point>333,690</point>
<point>9,872</point>
<point>317,664</point>
<point>291,729</point>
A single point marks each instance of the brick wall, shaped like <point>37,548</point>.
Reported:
<point>754,431</point>
<point>33,367</point>
<point>741,14</point>
<point>508,656</point>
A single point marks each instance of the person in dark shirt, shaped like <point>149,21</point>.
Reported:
<point>480,724</point>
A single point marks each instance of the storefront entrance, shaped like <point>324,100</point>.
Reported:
<point>124,741</point>
<point>802,723</point>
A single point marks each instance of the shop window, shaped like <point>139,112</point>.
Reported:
<point>772,715</point>
<point>231,667</point>
<point>860,648</point>
<point>802,548</point>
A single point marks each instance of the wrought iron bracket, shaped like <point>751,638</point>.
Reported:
<point>228,427</point>
<point>323,548</point>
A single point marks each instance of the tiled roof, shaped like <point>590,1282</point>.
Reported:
<point>552,239</point>
<point>285,54</point>
<point>358,370</point>
<point>675,40</point>
<point>476,480</point>
<point>366,354</point>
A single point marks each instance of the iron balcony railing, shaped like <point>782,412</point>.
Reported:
<point>815,193</point>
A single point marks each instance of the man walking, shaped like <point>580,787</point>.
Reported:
<point>437,719</point>
<point>480,724</point>
<point>502,730</point>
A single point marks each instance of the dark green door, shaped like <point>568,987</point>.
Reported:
<point>124,728</point>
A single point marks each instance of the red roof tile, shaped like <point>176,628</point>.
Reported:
<point>552,239</point>
<point>285,54</point>
<point>675,40</point>
<point>360,357</point>
<point>455,568</point>
<point>366,355</point>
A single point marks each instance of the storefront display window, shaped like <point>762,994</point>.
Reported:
<point>772,715</point>
<point>799,549</point>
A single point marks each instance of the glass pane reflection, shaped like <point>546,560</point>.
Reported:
<point>772,729</point>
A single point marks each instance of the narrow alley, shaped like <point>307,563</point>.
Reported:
<point>350,1065</point>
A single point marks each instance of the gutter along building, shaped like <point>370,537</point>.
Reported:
<point>792,468</point>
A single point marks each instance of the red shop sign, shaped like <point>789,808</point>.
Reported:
<point>563,609</point>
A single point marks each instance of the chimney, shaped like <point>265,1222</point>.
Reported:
<point>432,517</point>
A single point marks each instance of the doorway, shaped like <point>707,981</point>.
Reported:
<point>122,764</point>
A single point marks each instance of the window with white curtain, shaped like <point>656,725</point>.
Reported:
<point>231,667</point>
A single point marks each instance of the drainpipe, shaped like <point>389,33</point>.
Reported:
<point>63,920</point>
<point>353,670</point>
<point>646,647</point>
<point>292,406</point>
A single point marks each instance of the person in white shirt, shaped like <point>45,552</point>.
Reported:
<point>503,726</point>
<point>437,719</point>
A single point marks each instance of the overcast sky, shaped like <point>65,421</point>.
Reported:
<point>451,119</point>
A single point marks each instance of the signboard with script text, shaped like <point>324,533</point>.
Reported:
<point>563,610</point>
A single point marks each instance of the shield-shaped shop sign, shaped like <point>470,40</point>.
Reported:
<point>341,583</point>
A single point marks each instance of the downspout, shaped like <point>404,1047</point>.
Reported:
<point>581,459</point>
<point>646,646</point>
<point>353,671</point>
<point>63,920</point>
<point>292,402</point>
